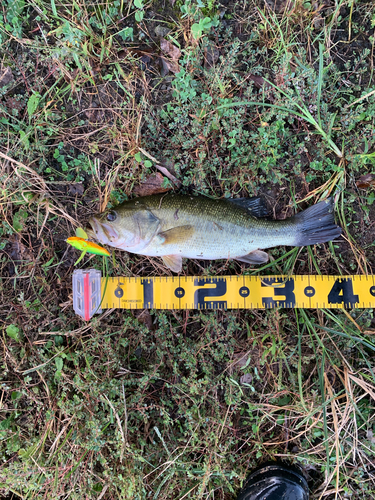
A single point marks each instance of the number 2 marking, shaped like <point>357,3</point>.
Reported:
<point>202,293</point>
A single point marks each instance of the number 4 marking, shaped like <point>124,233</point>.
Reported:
<point>342,293</point>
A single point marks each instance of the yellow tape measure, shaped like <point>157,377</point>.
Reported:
<point>219,292</point>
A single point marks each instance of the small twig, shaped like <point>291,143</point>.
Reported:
<point>43,35</point>
<point>105,488</point>
<point>360,99</point>
<point>336,433</point>
<point>56,441</point>
<point>125,417</point>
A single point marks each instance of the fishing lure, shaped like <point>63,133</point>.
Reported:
<point>80,242</point>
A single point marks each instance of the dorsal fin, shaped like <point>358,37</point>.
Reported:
<point>255,205</point>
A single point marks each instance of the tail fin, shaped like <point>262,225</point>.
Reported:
<point>317,224</point>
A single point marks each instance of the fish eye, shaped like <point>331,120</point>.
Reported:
<point>111,216</point>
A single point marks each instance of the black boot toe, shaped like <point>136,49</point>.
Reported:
<point>275,481</point>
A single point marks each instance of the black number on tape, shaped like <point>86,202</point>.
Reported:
<point>219,290</point>
<point>342,293</point>
<point>148,293</point>
<point>286,291</point>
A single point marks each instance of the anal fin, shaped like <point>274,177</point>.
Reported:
<point>174,262</point>
<point>256,257</point>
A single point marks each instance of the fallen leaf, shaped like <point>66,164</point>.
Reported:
<point>161,31</point>
<point>279,6</point>
<point>145,60</point>
<point>18,251</point>
<point>152,185</point>
<point>366,181</point>
<point>144,317</point>
<point>6,76</point>
<point>318,19</point>
<point>13,104</point>
<point>76,188</point>
<point>165,171</point>
<point>246,378</point>
<point>166,66</point>
<point>211,55</point>
<point>258,81</point>
<point>173,52</point>
<point>241,359</point>
<point>170,50</point>
<point>261,83</point>
<point>19,255</point>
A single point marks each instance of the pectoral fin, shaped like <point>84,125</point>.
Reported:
<point>175,235</point>
<point>174,262</point>
<point>256,257</point>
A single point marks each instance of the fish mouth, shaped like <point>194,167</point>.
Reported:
<point>90,233</point>
<point>102,232</point>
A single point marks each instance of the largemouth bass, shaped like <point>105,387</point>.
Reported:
<point>173,226</point>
